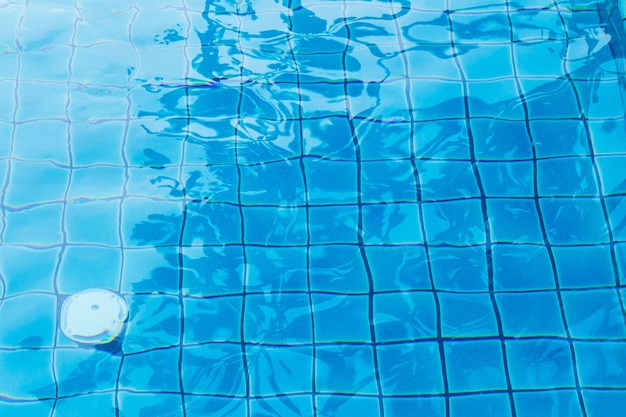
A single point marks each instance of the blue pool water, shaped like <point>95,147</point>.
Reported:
<point>325,208</point>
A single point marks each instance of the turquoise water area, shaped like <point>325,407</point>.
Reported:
<point>324,208</point>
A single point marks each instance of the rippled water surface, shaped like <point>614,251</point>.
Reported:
<point>332,208</point>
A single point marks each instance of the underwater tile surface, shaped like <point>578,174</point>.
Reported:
<point>326,208</point>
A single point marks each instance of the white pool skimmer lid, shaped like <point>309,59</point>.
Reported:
<point>94,316</point>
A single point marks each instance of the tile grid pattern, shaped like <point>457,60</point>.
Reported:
<point>372,295</point>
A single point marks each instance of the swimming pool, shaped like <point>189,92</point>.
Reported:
<point>333,208</point>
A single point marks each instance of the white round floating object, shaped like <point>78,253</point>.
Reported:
<point>94,316</point>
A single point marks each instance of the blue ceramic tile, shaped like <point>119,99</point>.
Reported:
<point>212,319</point>
<point>278,318</point>
<point>500,140</point>
<point>28,321</point>
<point>598,364</point>
<point>402,316</point>
<point>454,223</point>
<point>220,223</point>
<point>540,364</point>
<point>444,180</point>
<point>154,322</point>
<point>603,403</point>
<point>265,184</point>
<point>28,382</point>
<point>539,58</point>
<point>586,266</point>
<point>387,181</point>
<point>530,314</point>
<point>338,318</point>
<point>596,107</point>
<point>27,409</point>
<point>337,268</point>
<point>533,26</point>
<point>280,369</point>
<point>402,374</point>
<point>84,267</point>
<point>107,102</point>
<point>611,173</point>
<point>93,222</point>
<point>474,365</point>
<point>425,60</point>
<point>96,182</point>
<point>594,314</point>
<point>398,267</point>
<point>119,57</point>
<point>559,138</point>
<point>136,404</point>
<point>199,405</point>
<point>333,224</point>
<point>213,369</point>
<point>328,180</point>
<point>467,315</point>
<point>145,224</point>
<point>149,149</point>
<point>97,144</point>
<point>150,270</point>
<point>155,370</point>
<point>491,405</point>
<point>551,98</point>
<point>28,143</point>
<point>574,221</point>
<point>36,182</point>
<point>210,271</point>
<point>459,269</point>
<point>576,177</point>
<point>79,371</point>
<point>93,404</point>
<point>616,207</point>
<point>329,137</point>
<point>414,407</point>
<point>487,61</point>
<point>434,99</point>
<point>274,226</point>
<point>28,269</point>
<point>274,269</point>
<point>514,221</point>
<point>392,223</point>
<point>607,136</point>
<point>345,369</point>
<point>446,139</point>
<point>522,267</point>
<point>39,225</point>
<point>495,99</point>
<point>544,403</point>
<point>347,406</point>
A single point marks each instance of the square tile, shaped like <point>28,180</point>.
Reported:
<point>349,406</point>
<point>490,405</point>
<point>154,322</point>
<point>514,221</point>
<point>540,364</point>
<point>531,314</point>
<point>97,182</point>
<point>566,177</point>
<point>392,223</point>
<point>454,223</point>
<point>414,407</point>
<point>216,319</point>
<point>39,225</point>
<point>36,321</point>
<point>213,369</point>
<point>79,371</point>
<point>574,221</point>
<point>93,222</point>
<point>96,104</point>
<point>459,268</point>
<point>555,98</point>
<point>507,179</point>
<point>99,23</point>
<point>338,318</point>
<point>209,271</point>
<point>424,26</point>
<point>501,140</point>
<point>50,64</point>
<point>402,374</point>
<point>434,99</point>
<point>447,139</point>
<point>403,316</point>
<point>537,58</point>
<point>383,140</point>
<point>164,183</point>
<point>146,224</point>
<point>594,314</point>
<point>388,181</point>
<point>213,223</point>
<point>475,365</point>
<point>487,62</point>
<point>345,369</point>
<point>264,136</point>
<point>265,184</point>
<point>331,182</point>
<point>277,318</point>
<point>498,98</point>
<point>599,364</point>
<point>542,403</point>
<point>97,143</point>
<point>330,137</point>
<point>425,59</point>
<point>398,267</point>
<point>445,180</point>
<point>36,182</point>
<point>137,404</point>
<point>28,143</point>
<point>280,370</point>
<point>199,405</point>
<point>43,26</point>
<point>616,207</point>
<point>151,270</point>
<point>7,107</point>
<point>467,315</point>
<point>274,268</point>
<point>590,93</point>
<point>155,370</point>
<point>273,225</point>
<point>611,176</point>
<point>522,267</point>
<point>553,138</point>
<point>94,404</point>
<point>39,408</point>
<point>27,269</point>
<point>584,266</point>
<point>84,267</point>
<point>28,382</point>
<point>149,148</point>
<point>333,224</point>
<point>607,136</point>
<point>533,26</point>
<point>338,268</point>
<point>116,59</point>
<point>387,100</point>
<point>603,403</point>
